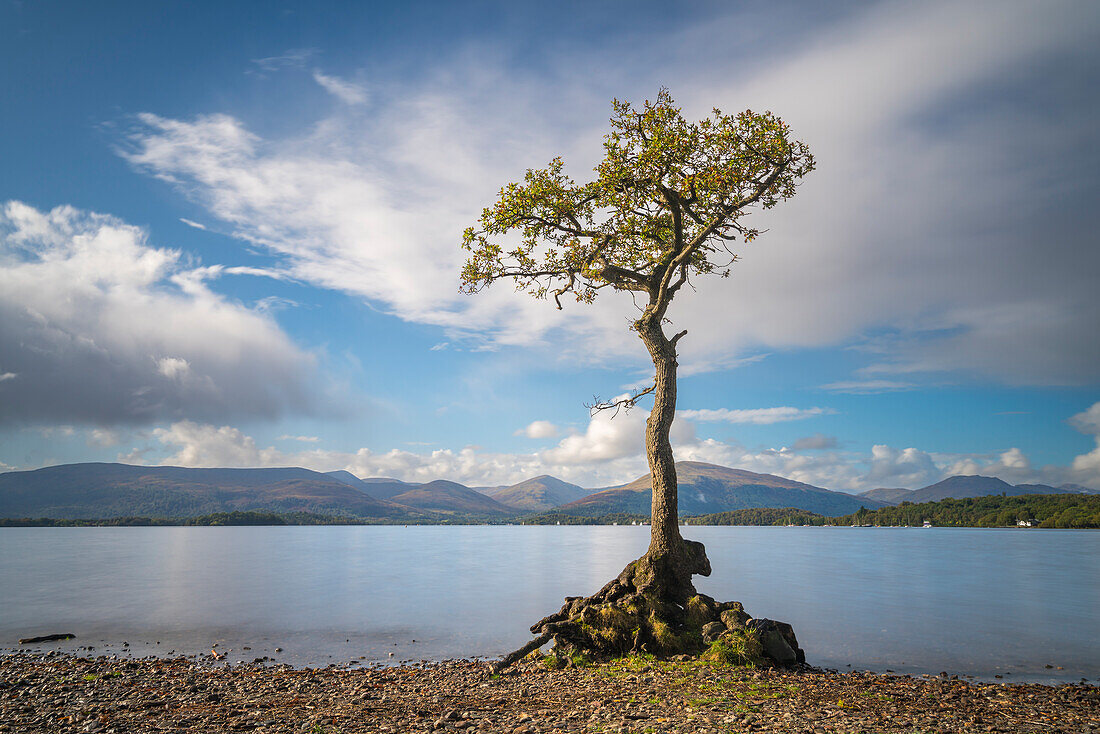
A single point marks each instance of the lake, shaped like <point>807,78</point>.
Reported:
<point>967,601</point>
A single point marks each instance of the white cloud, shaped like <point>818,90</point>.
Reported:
<point>174,368</point>
<point>1086,467</point>
<point>5,376</point>
<point>347,92</point>
<point>51,431</point>
<point>303,439</point>
<point>909,467</point>
<point>756,416</point>
<point>610,452</point>
<point>868,387</point>
<point>103,328</point>
<point>539,429</point>
<point>103,438</point>
<point>211,446</point>
<point>190,223</point>
<point>1088,421</point>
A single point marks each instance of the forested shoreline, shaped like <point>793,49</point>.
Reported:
<point>1064,511</point>
<point>992,511</point>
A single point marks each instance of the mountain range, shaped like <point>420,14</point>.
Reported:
<point>95,491</point>
<point>961,487</point>
<point>706,488</point>
<point>98,491</point>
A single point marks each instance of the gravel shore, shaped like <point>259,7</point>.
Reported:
<point>62,693</point>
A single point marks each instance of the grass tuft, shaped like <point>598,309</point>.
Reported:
<point>740,647</point>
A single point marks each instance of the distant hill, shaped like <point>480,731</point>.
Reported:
<point>385,489</point>
<point>707,488</point>
<point>349,479</point>
<point>97,490</point>
<point>444,496</point>
<point>962,487</point>
<point>539,494</point>
<point>1078,489</point>
<point>889,495</point>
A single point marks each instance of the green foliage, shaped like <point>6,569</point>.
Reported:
<point>739,647</point>
<point>699,611</point>
<point>992,511</point>
<point>759,516</point>
<point>553,661</point>
<point>667,196</point>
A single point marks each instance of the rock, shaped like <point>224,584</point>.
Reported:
<point>776,648</point>
<point>712,631</point>
<point>778,640</point>
<point>734,618</point>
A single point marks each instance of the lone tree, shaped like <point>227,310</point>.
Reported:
<point>668,198</point>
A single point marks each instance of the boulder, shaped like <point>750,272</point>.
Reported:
<point>712,631</point>
<point>779,641</point>
<point>735,618</point>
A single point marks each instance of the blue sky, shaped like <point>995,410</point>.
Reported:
<point>229,237</point>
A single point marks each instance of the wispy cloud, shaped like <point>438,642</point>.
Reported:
<point>756,416</point>
<point>347,92</point>
<point>868,387</point>
<point>292,59</point>
<point>190,223</point>
<point>303,439</point>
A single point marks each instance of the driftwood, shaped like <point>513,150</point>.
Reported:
<point>45,638</point>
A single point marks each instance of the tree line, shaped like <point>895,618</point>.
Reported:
<point>991,511</point>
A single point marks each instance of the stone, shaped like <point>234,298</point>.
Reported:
<point>712,631</point>
<point>776,648</point>
<point>734,618</point>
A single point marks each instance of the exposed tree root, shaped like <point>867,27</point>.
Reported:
<point>652,607</point>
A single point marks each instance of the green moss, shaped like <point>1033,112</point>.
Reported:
<point>700,611</point>
<point>740,647</point>
<point>553,662</point>
<point>663,636</point>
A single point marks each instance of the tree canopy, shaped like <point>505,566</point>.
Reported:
<point>668,196</point>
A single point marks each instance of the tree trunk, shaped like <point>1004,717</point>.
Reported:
<point>667,567</point>
<point>665,535</point>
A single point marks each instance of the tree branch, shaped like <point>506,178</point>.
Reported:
<point>622,404</point>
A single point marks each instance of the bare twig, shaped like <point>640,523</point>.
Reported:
<point>621,404</point>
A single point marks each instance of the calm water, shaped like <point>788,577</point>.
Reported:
<point>979,602</point>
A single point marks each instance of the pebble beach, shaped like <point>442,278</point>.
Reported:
<point>60,692</point>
